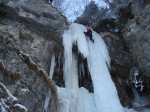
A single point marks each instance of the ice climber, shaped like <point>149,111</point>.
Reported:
<point>88,33</point>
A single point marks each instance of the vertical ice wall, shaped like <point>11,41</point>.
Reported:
<point>105,93</point>
<point>75,99</point>
<point>52,66</point>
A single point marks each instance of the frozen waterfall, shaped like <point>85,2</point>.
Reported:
<point>75,99</point>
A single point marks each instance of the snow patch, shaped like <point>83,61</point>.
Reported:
<point>21,107</point>
<point>10,96</point>
<point>129,110</point>
<point>3,106</point>
<point>24,90</point>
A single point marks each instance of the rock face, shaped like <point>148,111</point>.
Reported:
<point>30,32</point>
<point>137,36</point>
<point>129,48</point>
<point>136,33</point>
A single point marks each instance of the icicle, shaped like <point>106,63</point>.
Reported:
<point>45,48</point>
<point>71,84</point>
<point>68,42</point>
<point>46,103</point>
<point>51,72</point>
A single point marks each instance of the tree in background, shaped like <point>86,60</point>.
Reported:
<point>58,4</point>
<point>91,14</point>
<point>70,8</point>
